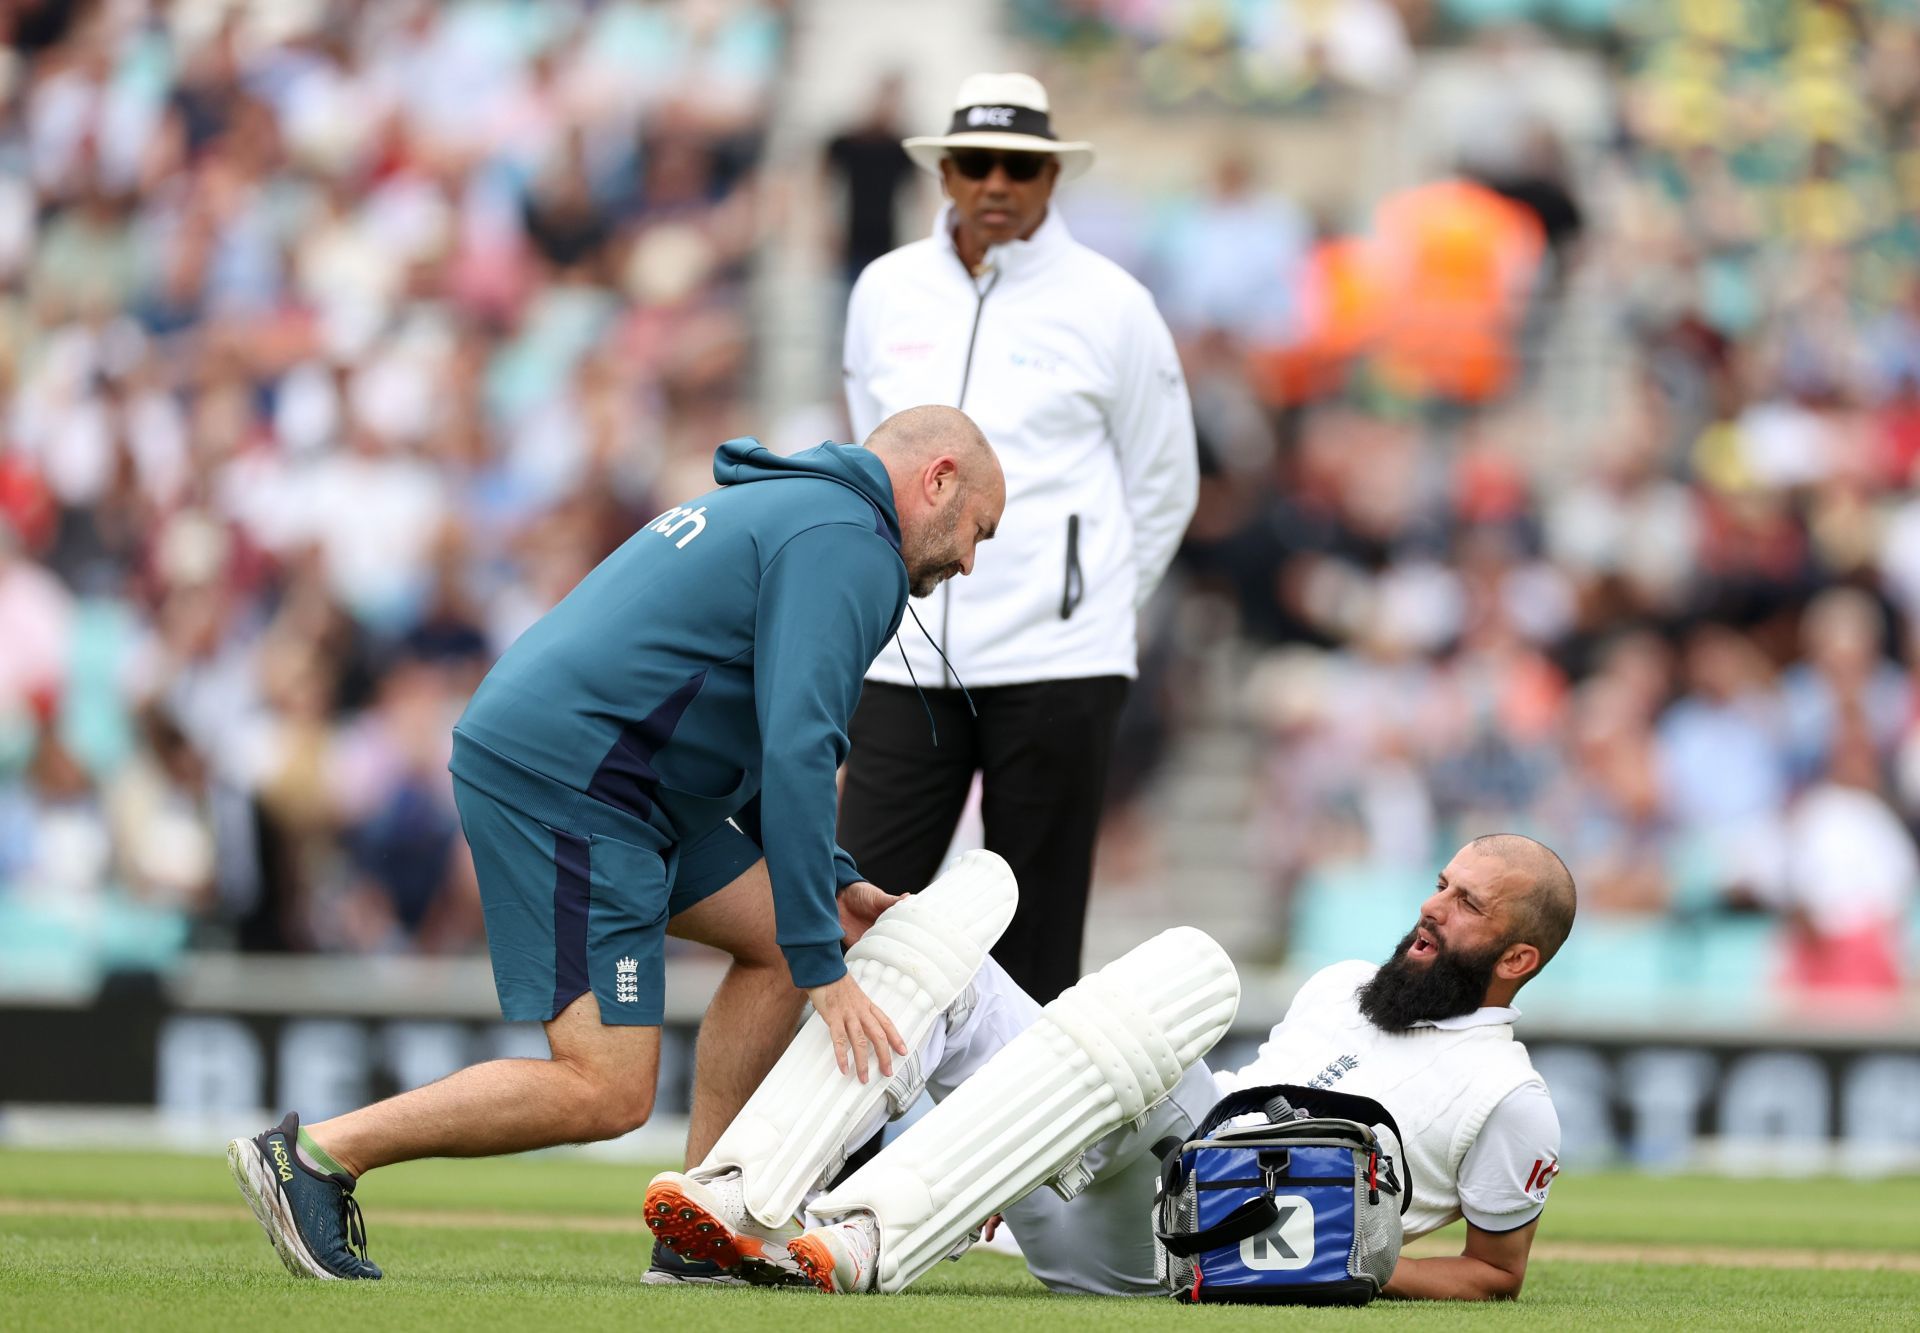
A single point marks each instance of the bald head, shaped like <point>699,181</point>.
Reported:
<point>1541,906</point>
<point>918,433</point>
<point>948,490</point>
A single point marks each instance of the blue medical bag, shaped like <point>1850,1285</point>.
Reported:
<point>1300,1206</point>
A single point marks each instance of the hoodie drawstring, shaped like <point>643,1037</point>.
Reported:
<point>916,680</point>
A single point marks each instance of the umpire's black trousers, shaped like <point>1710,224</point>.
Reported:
<point>1042,753</point>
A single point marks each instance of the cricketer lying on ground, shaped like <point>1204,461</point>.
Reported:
<point>914,962</point>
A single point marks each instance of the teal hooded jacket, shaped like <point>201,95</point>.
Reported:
<point>715,657</point>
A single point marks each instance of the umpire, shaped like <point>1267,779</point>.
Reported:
<point>1067,366</point>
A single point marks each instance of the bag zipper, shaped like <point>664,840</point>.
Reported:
<point>1271,1182</point>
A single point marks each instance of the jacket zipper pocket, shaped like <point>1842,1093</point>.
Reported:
<point>1075,586</point>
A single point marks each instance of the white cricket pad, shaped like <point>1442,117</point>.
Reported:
<point>913,962</point>
<point>1101,1055</point>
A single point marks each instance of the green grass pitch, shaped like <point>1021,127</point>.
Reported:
<point>158,1242</point>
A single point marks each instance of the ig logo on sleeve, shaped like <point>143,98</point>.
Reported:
<point>1287,1244</point>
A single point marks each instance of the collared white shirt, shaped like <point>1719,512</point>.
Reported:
<point>1479,1018</point>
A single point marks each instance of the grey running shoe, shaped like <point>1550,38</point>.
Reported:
<point>313,1220</point>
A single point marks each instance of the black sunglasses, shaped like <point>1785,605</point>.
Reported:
<point>976,164</point>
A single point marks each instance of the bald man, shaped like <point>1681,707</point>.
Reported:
<point>609,774</point>
<point>1428,1034</point>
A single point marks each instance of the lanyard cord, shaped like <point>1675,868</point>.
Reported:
<point>907,662</point>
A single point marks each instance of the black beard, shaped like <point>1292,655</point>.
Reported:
<point>1402,993</point>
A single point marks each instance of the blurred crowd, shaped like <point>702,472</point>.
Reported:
<point>1236,53</point>
<point>1686,651</point>
<point>338,340</point>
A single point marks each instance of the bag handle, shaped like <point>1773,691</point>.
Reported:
<point>1317,1101</point>
<point>1246,1221</point>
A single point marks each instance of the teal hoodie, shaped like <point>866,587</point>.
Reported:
<point>715,657</point>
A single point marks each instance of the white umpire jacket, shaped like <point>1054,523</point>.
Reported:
<point>1062,359</point>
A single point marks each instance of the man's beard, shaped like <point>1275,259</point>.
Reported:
<point>929,567</point>
<point>925,584</point>
<point>1403,992</point>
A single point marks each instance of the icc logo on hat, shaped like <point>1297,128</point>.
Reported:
<point>997,116</point>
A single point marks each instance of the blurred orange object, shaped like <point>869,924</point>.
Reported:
<point>1435,295</point>
<point>1460,262</point>
<point>1342,302</point>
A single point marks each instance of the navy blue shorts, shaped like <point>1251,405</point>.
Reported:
<point>567,913</point>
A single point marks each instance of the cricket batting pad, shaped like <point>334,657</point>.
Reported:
<point>1101,1055</point>
<point>913,962</point>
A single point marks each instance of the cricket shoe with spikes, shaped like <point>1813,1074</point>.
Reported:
<point>707,1220</point>
<point>839,1258</point>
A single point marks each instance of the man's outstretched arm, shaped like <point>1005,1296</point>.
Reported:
<point>1490,1268</point>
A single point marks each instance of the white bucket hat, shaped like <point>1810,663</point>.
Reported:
<point>1003,111</point>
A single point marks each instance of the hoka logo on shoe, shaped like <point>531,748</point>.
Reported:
<point>677,518</point>
<point>281,1162</point>
<point>626,981</point>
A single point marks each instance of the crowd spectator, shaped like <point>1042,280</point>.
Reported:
<point>1231,260</point>
<point>871,169</point>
